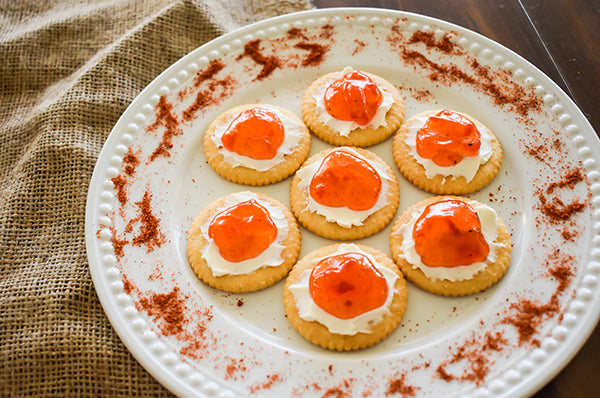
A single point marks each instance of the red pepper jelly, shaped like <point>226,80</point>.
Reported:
<point>347,285</point>
<point>345,180</point>
<point>447,138</point>
<point>242,231</point>
<point>353,97</point>
<point>448,234</point>
<point>256,133</point>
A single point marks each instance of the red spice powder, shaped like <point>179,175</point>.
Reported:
<point>497,85</point>
<point>474,355</point>
<point>327,32</point>
<point>168,307</point>
<point>118,244</point>
<point>360,45</point>
<point>130,162</point>
<point>203,75</point>
<point>268,63</point>
<point>557,144</point>
<point>560,267</point>
<point>166,119</point>
<point>529,316</point>
<point>539,152</point>
<point>307,42</point>
<point>336,393</point>
<point>442,374</point>
<point>149,233</point>
<point>235,365</point>
<point>399,386</point>
<point>494,342</point>
<point>272,379</point>
<point>316,55</point>
<point>569,181</point>
<point>478,368</point>
<point>214,67</point>
<point>169,311</point>
<point>199,343</point>
<point>206,98</point>
<point>419,95</point>
<point>563,274</point>
<point>428,38</point>
<point>341,390</point>
<point>557,210</point>
<point>194,347</point>
<point>216,90</point>
<point>297,33</point>
<point>128,287</point>
<point>272,54</point>
<point>120,182</point>
<point>568,234</point>
<point>543,151</point>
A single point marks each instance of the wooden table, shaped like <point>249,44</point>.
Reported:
<point>561,38</point>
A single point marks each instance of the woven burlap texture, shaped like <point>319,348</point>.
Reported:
<point>68,70</point>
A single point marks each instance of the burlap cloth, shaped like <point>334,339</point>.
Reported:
<point>68,70</point>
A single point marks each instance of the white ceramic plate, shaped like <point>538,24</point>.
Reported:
<point>211,343</point>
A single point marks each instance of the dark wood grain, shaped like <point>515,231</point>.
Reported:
<point>560,37</point>
<point>570,31</point>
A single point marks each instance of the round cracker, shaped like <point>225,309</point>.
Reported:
<point>480,281</point>
<point>256,280</point>
<point>318,224</point>
<point>360,137</point>
<point>318,333</point>
<point>248,176</point>
<point>439,184</point>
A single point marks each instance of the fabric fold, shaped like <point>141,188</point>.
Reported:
<point>68,70</point>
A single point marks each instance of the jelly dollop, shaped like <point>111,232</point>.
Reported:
<point>347,285</point>
<point>447,138</point>
<point>345,180</point>
<point>353,97</point>
<point>448,234</point>
<point>256,133</point>
<point>242,231</point>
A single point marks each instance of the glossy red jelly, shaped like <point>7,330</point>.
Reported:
<point>448,234</point>
<point>447,138</point>
<point>345,180</point>
<point>353,97</point>
<point>256,133</point>
<point>242,231</point>
<point>347,285</point>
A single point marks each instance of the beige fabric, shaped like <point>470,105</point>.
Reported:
<point>68,70</point>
